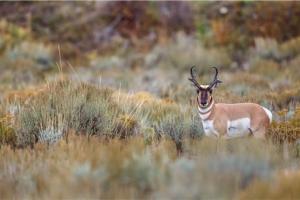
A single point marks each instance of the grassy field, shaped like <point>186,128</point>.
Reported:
<point>116,118</point>
<point>69,139</point>
<point>83,167</point>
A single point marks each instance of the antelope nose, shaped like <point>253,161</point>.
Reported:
<point>203,103</point>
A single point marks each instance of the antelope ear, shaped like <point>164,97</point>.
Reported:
<point>216,84</point>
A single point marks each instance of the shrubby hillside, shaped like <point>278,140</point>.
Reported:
<point>96,102</point>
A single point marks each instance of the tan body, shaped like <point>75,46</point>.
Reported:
<point>236,120</point>
<point>229,120</point>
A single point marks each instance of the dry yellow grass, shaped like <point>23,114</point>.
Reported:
<point>69,140</point>
<point>82,167</point>
<point>76,140</point>
<point>284,186</point>
<point>92,167</point>
<point>288,129</point>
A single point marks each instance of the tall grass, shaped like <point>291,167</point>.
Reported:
<point>69,139</point>
<point>66,106</point>
<point>93,167</point>
<point>111,144</point>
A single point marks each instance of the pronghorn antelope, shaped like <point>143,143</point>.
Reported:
<point>229,120</point>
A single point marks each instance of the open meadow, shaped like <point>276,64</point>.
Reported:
<point>95,101</point>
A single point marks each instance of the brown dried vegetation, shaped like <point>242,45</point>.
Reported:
<point>123,122</point>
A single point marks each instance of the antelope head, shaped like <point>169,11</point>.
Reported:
<point>204,97</point>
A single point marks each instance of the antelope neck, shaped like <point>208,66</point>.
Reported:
<point>204,112</point>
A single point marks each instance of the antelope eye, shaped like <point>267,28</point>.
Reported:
<point>210,91</point>
<point>198,91</point>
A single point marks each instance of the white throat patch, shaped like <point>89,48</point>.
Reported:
<point>204,116</point>
<point>205,112</point>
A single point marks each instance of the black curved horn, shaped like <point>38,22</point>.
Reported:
<point>193,78</point>
<point>215,82</point>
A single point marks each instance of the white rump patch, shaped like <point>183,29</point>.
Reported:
<point>269,113</point>
<point>209,130</point>
<point>238,128</point>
